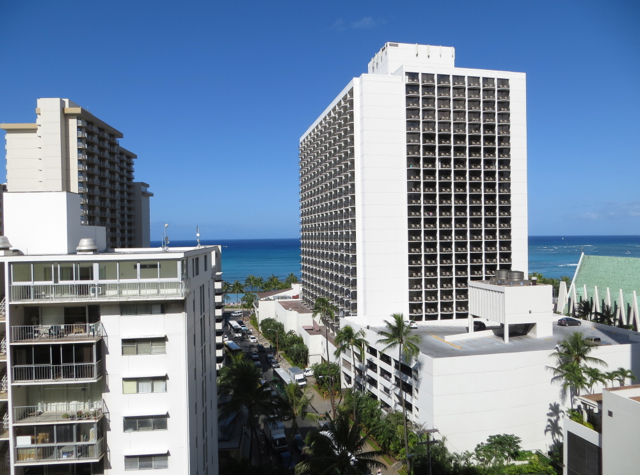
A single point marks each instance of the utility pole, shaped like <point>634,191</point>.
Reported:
<point>428,443</point>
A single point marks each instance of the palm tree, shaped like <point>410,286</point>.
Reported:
<point>226,289</point>
<point>572,379</point>
<point>248,299</point>
<point>583,310</point>
<point>594,376</point>
<point>606,316</point>
<point>346,340</point>
<point>259,284</point>
<point>273,283</point>
<point>291,279</point>
<point>399,335</point>
<point>296,404</point>
<point>323,307</point>
<point>610,376</point>
<point>339,449</point>
<point>241,382</point>
<point>576,349</point>
<point>622,374</point>
<point>250,282</point>
<point>236,288</point>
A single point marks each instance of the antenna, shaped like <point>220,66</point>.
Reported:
<point>198,235</point>
<point>165,239</point>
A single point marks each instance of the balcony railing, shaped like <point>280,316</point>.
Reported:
<point>66,372</point>
<point>67,452</point>
<point>59,412</point>
<point>97,292</point>
<point>57,332</point>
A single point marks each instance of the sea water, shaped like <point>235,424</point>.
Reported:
<point>552,256</point>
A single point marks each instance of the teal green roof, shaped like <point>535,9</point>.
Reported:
<point>613,272</point>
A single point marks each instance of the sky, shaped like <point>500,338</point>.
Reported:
<point>214,96</point>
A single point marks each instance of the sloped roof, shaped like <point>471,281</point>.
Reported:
<point>613,272</point>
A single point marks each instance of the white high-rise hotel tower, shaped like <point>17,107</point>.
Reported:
<point>412,182</point>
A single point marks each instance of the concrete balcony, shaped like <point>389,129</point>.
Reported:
<point>77,332</point>
<point>78,452</point>
<point>50,373</point>
<point>93,292</point>
<point>63,412</point>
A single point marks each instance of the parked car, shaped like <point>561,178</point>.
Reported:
<point>253,339</point>
<point>254,355</point>
<point>236,313</point>
<point>261,348</point>
<point>225,338</point>
<point>569,322</point>
<point>308,372</point>
<point>413,324</point>
<point>479,326</point>
<point>258,365</point>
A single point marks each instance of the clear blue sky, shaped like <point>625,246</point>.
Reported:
<point>213,96</point>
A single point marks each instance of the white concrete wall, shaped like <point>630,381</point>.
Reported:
<point>511,304</point>
<point>381,195</point>
<point>47,223</point>
<point>620,432</point>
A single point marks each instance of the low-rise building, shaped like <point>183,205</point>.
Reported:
<point>607,444</point>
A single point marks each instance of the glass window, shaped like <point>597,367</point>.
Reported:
<point>129,386</point>
<point>108,271</point>
<point>42,272</point>
<point>144,347</point>
<point>21,272</point>
<point>148,270</point>
<point>145,424</point>
<point>128,347</point>
<point>135,424</point>
<point>128,270</point>
<point>130,425</point>
<point>66,271</point>
<point>144,386</point>
<point>84,271</point>
<point>168,269</point>
<point>160,423</point>
<point>159,386</point>
<point>206,263</point>
<point>158,347</point>
<point>160,462</point>
<point>145,463</point>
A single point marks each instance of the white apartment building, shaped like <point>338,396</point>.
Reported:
<point>109,359</point>
<point>68,149</point>
<point>609,445</point>
<point>413,181</point>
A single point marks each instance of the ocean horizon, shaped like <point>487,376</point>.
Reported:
<point>552,256</point>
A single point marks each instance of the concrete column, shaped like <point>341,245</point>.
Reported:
<point>506,333</point>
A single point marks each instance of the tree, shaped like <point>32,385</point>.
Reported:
<point>572,379</point>
<point>272,283</point>
<point>251,282</point>
<point>248,299</point>
<point>498,449</point>
<point>594,376</point>
<point>399,335</point>
<point>610,376</point>
<point>606,316</point>
<point>339,449</point>
<point>291,279</point>
<point>259,284</point>
<point>576,348</point>
<point>296,404</point>
<point>347,339</point>
<point>236,288</point>
<point>323,307</point>
<point>226,289</point>
<point>622,374</point>
<point>241,382</point>
<point>583,309</point>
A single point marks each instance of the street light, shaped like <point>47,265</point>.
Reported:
<point>428,443</point>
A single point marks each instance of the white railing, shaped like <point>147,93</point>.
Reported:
<point>3,309</point>
<point>67,451</point>
<point>57,332</point>
<point>118,291</point>
<point>64,372</point>
<point>3,348</point>
<point>59,412</point>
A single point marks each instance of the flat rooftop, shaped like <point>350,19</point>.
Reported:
<point>296,305</point>
<point>432,343</point>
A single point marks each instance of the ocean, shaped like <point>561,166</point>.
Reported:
<point>552,256</point>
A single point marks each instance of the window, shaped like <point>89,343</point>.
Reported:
<point>144,386</point>
<point>206,263</point>
<point>168,269</point>
<point>128,270</point>
<point>143,309</point>
<point>147,462</point>
<point>108,271</point>
<point>140,424</point>
<point>146,346</point>
<point>148,270</point>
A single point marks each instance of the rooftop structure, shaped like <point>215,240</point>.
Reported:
<point>413,182</point>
